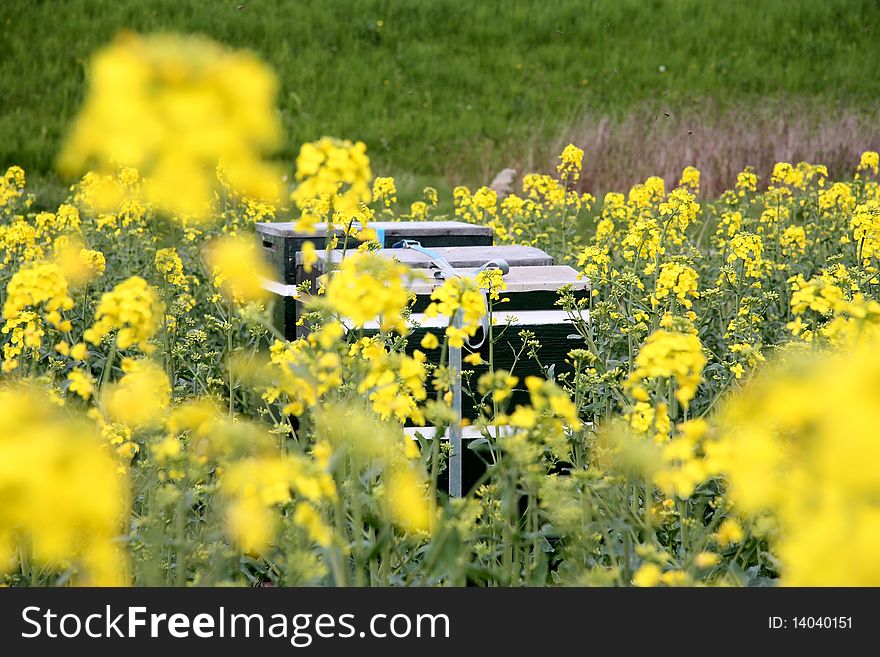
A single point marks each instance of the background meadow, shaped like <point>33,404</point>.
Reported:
<point>446,92</point>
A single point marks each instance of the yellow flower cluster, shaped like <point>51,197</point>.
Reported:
<point>798,176</point>
<point>865,225</point>
<point>594,262</point>
<point>419,211</point>
<point>570,163</point>
<point>746,181</point>
<point>681,210</point>
<point>478,207</point>
<point>643,242</point>
<point>368,287</point>
<point>335,173</point>
<point>301,375</point>
<point>458,294</point>
<point>690,178</point>
<point>544,214</point>
<point>64,504</point>
<point>173,108</point>
<point>793,240</point>
<point>672,355</point>
<point>34,294</point>
<point>676,280</point>
<point>169,265</point>
<point>835,313</point>
<point>132,307</point>
<point>26,332</point>
<point>39,287</point>
<point>788,450</point>
<point>394,383</point>
<point>18,241</point>
<point>869,161</point>
<point>49,224</point>
<point>546,189</point>
<point>647,420</point>
<point>81,382</point>
<point>748,248</point>
<point>94,262</point>
<point>838,198</point>
<point>648,194</point>
<point>11,186</point>
<point>384,191</point>
<point>492,280</point>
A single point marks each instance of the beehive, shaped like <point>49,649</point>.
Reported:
<point>463,257</point>
<point>281,243</point>
<point>532,294</point>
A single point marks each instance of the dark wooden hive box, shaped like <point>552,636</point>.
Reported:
<point>532,294</point>
<point>462,257</point>
<point>281,242</point>
<point>458,257</point>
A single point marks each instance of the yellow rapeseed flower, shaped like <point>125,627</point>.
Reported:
<point>239,270</point>
<point>70,504</point>
<point>672,355</point>
<point>133,309</point>
<point>369,288</point>
<point>173,107</point>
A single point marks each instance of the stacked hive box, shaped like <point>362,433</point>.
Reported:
<point>281,243</point>
<point>531,292</point>
<point>532,286</point>
<point>465,260</point>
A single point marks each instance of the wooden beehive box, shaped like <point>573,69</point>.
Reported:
<point>459,257</point>
<point>532,294</point>
<point>463,257</point>
<point>281,242</point>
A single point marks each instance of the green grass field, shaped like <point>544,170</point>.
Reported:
<point>451,90</point>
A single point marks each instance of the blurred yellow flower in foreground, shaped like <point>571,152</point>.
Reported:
<point>801,444</point>
<point>62,503</point>
<point>141,397</point>
<point>173,107</point>
<point>254,486</point>
<point>671,355</point>
<point>408,499</point>
<point>238,269</point>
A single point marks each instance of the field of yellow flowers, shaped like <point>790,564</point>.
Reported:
<point>718,427</point>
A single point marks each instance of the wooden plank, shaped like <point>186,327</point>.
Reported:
<point>469,432</point>
<point>401,229</point>
<point>280,289</point>
<point>463,257</point>
<point>517,318</point>
<point>518,279</point>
